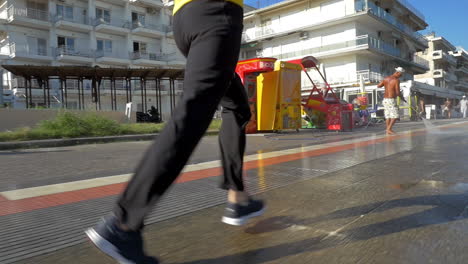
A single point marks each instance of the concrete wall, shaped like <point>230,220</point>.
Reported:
<point>11,119</point>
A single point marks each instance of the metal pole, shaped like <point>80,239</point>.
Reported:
<point>42,85</point>
<point>146,97</point>
<point>82,95</point>
<point>99,81</point>
<point>30,93</point>
<point>126,89</point>
<point>48,92</point>
<point>142,99</point>
<point>66,93</point>
<point>130,89</point>
<point>115,94</point>
<point>61,89</point>
<point>26,89</point>
<point>1,90</point>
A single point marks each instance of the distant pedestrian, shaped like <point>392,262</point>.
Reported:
<point>448,106</point>
<point>464,106</point>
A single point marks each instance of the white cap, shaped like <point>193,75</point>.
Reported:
<point>400,70</point>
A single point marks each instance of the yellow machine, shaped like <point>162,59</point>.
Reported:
<point>279,98</point>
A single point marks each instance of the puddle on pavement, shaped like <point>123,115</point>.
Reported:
<point>459,187</point>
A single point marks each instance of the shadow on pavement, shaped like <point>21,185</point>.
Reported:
<point>444,209</point>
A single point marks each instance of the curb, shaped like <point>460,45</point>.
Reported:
<point>51,143</point>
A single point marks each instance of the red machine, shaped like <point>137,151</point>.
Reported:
<point>248,70</point>
<point>338,114</point>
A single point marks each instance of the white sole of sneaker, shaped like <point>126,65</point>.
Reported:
<point>241,221</point>
<point>106,247</point>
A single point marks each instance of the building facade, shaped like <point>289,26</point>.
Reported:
<point>442,63</point>
<point>353,39</point>
<point>96,33</point>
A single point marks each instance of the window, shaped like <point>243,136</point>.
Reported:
<point>37,46</point>
<point>103,14</point>
<point>138,18</point>
<point>66,43</point>
<point>104,45</point>
<point>139,47</point>
<point>65,11</point>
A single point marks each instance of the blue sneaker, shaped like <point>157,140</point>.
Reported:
<point>125,247</point>
<point>236,214</point>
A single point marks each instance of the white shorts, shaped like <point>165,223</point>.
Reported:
<point>391,108</point>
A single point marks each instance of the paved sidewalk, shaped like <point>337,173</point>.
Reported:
<point>373,199</point>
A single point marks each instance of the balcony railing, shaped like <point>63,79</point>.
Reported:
<point>361,41</point>
<point>369,76</point>
<point>31,13</point>
<point>6,49</point>
<point>381,13</point>
<point>360,6</point>
<point>110,54</point>
<point>421,61</point>
<point>412,9</point>
<point>79,20</point>
<point>439,54</point>
<point>25,49</point>
<point>139,24</point>
<point>68,51</point>
<point>146,56</point>
<point>113,22</point>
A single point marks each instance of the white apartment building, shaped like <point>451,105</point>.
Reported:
<point>104,33</point>
<point>352,39</point>
<point>462,69</point>
<point>442,63</point>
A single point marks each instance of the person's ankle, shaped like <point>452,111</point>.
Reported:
<point>238,197</point>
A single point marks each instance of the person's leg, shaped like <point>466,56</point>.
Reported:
<point>390,126</point>
<point>211,61</point>
<point>209,34</point>
<point>387,123</point>
<point>235,115</point>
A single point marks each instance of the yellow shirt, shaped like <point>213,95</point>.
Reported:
<point>178,4</point>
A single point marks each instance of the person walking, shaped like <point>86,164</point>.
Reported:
<point>392,91</point>
<point>464,106</point>
<point>448,108</point>
<point>208,33</point>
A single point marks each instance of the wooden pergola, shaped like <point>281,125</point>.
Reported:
<point>43,74</point>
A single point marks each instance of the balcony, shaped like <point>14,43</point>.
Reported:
<point>114,26</point>
<point>369,76</point>
<point>174,60</point>
<point>420,61</point>
<point>30,53</point>
<point>149,3</point>
<point>462,84</point>
<point>384,15</point>
<point>148,30</point>
<point>80,24</point>
<point>72,55</point>
<point>147,59</point>
<point>28,17</point>
<point>112,58</point>
<point>5,51</point>
<point>359,43</point>
<point>462,70</point>
<point>440,55</point>
<point>439,73</point>
<point>362,7</point>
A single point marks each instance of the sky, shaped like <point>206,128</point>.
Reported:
<point>448,18</point>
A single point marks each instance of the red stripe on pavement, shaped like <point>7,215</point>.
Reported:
<point>8,207</point>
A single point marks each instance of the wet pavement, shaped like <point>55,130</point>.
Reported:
<point>346,198</point>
